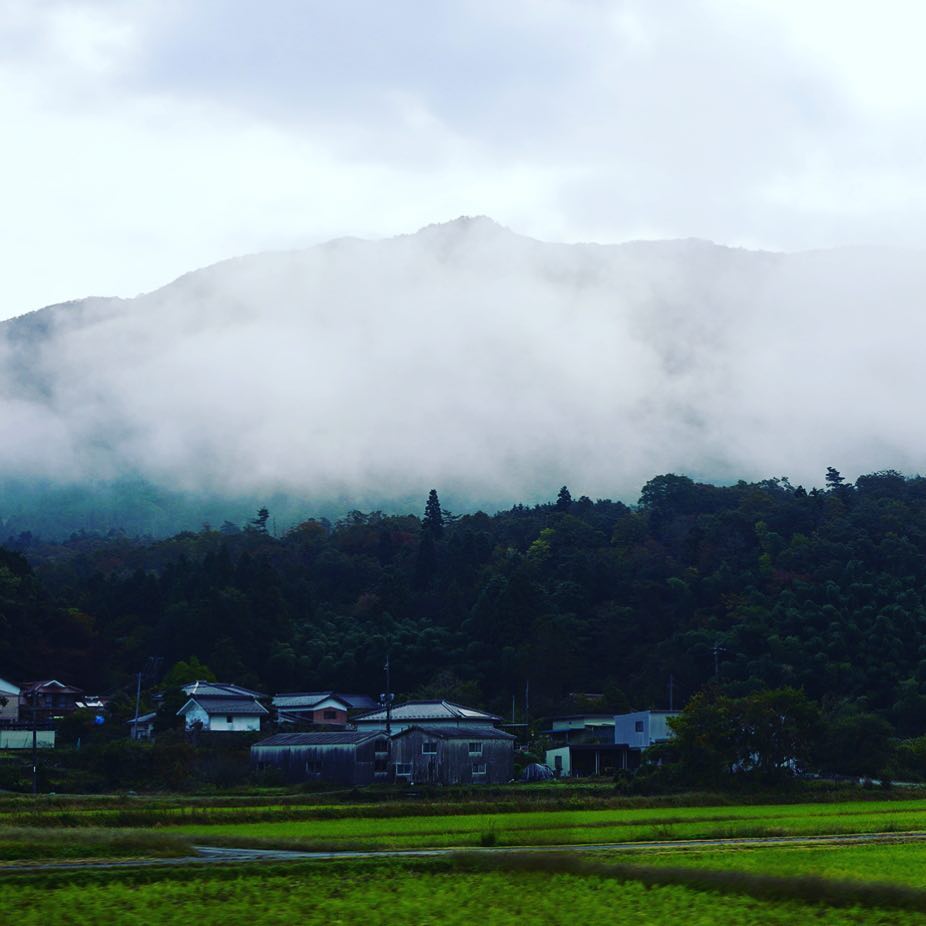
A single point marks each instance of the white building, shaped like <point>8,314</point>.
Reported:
<point>221,708</point>
<point>642,729</point>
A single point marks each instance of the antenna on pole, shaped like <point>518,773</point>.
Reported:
<point>386,698</point>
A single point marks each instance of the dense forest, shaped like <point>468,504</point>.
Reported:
<point>749,586</point>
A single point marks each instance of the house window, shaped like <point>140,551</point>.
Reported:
<point>479,768</point>
<point>331,715</point>
<point>313,767</point>
<point>229,719</point>
<point>475,749</point>
<point>638,726</point>
<point>558,763</point>
<point>403,769</point>
<point>381,747</point>
<point>429,748</point>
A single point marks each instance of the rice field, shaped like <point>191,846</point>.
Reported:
<point>837,884</point>
<point>415,894</point>
<point>557,827</point>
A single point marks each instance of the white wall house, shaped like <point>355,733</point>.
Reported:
<point>642,729</point>
<point>222,708</point>
<point>9,693</point>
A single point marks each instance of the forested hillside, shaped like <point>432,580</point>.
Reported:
<point>764,584</point>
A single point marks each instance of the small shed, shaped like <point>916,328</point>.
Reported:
<point>452,755</point>
<point>347,758</point>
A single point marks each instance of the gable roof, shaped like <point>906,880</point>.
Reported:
<point>429,710</point>
<point>225,706</point>
<point>219,690</point>
<point>459,733</point>
<point>346,738</point>
<point>50,683</point>
<point>293,700</point>
<point>306,700</point>
<point>8,687</point>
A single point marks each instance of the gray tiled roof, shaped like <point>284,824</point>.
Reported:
<point>290,700</point>
<point>306,699</point>
<point>429,710</point>
<point>461,733</point>
<point>228,706</point>
<point>347,738</point>
<point>219,690</point>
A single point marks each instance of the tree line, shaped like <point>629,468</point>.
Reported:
<point>585,604</point>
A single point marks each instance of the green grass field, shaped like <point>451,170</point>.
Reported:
<point>414,894</point>
<point>559,827</point>
<point>835,884</point>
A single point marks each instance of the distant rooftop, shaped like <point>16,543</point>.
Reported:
<point>429,710</point>
<point>346,738</point>
<point>226,705</point>
<point>220,690</point>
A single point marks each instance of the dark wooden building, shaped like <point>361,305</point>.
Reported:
<point>346,757</point>
<point>452,755</point>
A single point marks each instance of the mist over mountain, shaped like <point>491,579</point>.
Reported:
<point>493,366</point>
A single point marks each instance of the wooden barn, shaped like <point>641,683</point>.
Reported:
<point>452,755</point>
<point>347,757</point>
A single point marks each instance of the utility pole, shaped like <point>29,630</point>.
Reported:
<point>137,704</point>
<point>671,692</point>
<point>35,750</point>
<point>387,698</point>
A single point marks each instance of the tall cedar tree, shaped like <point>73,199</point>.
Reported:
<point>433,522</point>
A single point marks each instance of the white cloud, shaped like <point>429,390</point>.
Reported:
<point>146,139</point>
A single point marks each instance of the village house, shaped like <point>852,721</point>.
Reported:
<point>218,707</point>
<point>49,699</point>
<point>342,757</point>
<point>638,730</point>
<point>583,745</point>
<point>142,727</point>
<point>9,702</point>
<point>436,713</point>
<point>330,708</point>
<point>466,754</point>
<point>429,742</point>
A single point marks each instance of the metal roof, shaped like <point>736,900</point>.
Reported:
<point>318,739</point>
<point>219,690</point>
<point>306,699</point>
<point>226,706</point>
<point>428,710</point>
<point>460,733</point>
<point>144,718</point>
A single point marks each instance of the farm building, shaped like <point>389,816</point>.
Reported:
<point>319,707</point>
<point>582,760</point>
<point>347,757</point>
<point>580,728</point>
<point>222,708</point>
<point>443,714</point>
<point>466,754</point>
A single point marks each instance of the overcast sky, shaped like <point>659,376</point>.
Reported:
<point>145,139</point>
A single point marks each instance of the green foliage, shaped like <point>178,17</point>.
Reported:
<point>765,735</point>
<point>820,591</point>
